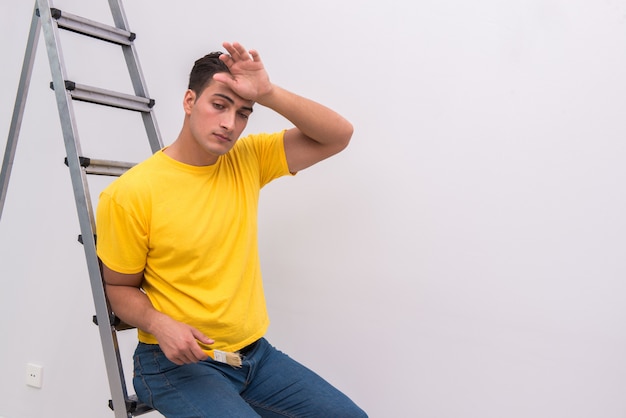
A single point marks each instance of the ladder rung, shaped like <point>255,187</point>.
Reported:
<point>103,167</point>
<point>92,28</point>
<point>105,97</point>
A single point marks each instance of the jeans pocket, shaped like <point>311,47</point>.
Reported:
<point>150,360</point>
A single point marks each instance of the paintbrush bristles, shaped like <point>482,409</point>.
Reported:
<point>232,359</point>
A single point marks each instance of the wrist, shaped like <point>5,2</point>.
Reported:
<point>269,96</point>
<point>157,321</point>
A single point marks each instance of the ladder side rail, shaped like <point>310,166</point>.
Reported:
<point>108,338</point>
<point>136,76</point>
<point>20,104</point>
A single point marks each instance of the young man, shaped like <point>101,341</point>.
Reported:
<point>177,237</point>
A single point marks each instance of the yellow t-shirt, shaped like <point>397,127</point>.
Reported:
<point>193,231</point>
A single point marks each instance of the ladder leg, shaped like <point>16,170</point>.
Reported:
<point>18,109</point>
<point>108,337</point>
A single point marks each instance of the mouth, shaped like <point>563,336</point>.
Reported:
<point>222,138</point>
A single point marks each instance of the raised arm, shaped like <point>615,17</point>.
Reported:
<point>178,341</point>
<point>319,131</point>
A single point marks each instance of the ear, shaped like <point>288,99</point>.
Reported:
<point>189,100</point>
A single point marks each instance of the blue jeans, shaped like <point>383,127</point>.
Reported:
<point>269,384</point>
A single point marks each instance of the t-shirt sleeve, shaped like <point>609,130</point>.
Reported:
<point>272,157</point>
<point>122,238</point>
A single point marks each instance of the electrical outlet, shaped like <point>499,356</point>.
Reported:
<point>34,375</point>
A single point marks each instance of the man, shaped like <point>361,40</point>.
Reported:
<point>177,237</point>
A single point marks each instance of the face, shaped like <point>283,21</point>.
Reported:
<point>215,120</point>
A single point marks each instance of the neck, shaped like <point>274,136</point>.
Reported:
<point>185,149</point>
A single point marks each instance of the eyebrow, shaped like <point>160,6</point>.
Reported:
<point>231,101</point>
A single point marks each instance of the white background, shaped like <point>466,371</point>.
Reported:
<point>463,258</point>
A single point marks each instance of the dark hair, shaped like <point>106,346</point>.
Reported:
<point>203,70</point>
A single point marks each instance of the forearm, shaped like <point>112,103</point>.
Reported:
<point>132,306</point>
<point>178,341</point>
<point>316,121</point>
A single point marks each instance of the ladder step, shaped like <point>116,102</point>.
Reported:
<point>115,322</point>
<point>91,28</point>
<point>133,406</point>
<point>105,97</point>
<point>103,167</point>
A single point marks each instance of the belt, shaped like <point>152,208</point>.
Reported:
<point>246,350</point>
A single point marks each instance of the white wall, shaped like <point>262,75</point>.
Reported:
<point>463,258</point>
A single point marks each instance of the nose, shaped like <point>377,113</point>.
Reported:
<point>227,121</point>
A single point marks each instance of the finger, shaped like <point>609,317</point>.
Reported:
<point>226,59</point>
<point>241,51</point>
<point>194,357</point>
<point>196,352</point>
<point>199,355</point>
<point>225,78</point>
<point>228,47</point>
<point>237,51</point>
<point>231,50</point>
<point>201,337</point>
<point>255,55</point>
<point>178,357</point>
<point>176,360</point>
<point>185,357</point>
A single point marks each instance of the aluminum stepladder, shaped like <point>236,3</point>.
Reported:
<point>51,20</point>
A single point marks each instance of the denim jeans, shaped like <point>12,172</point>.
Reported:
<point>269,384</point>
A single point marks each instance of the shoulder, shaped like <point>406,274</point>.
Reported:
<point>262,155</point>
<point>135,181</point>
<point>260,143</point>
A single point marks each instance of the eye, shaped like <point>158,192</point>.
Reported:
<point>244,115</point>
<point>218,106</point>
